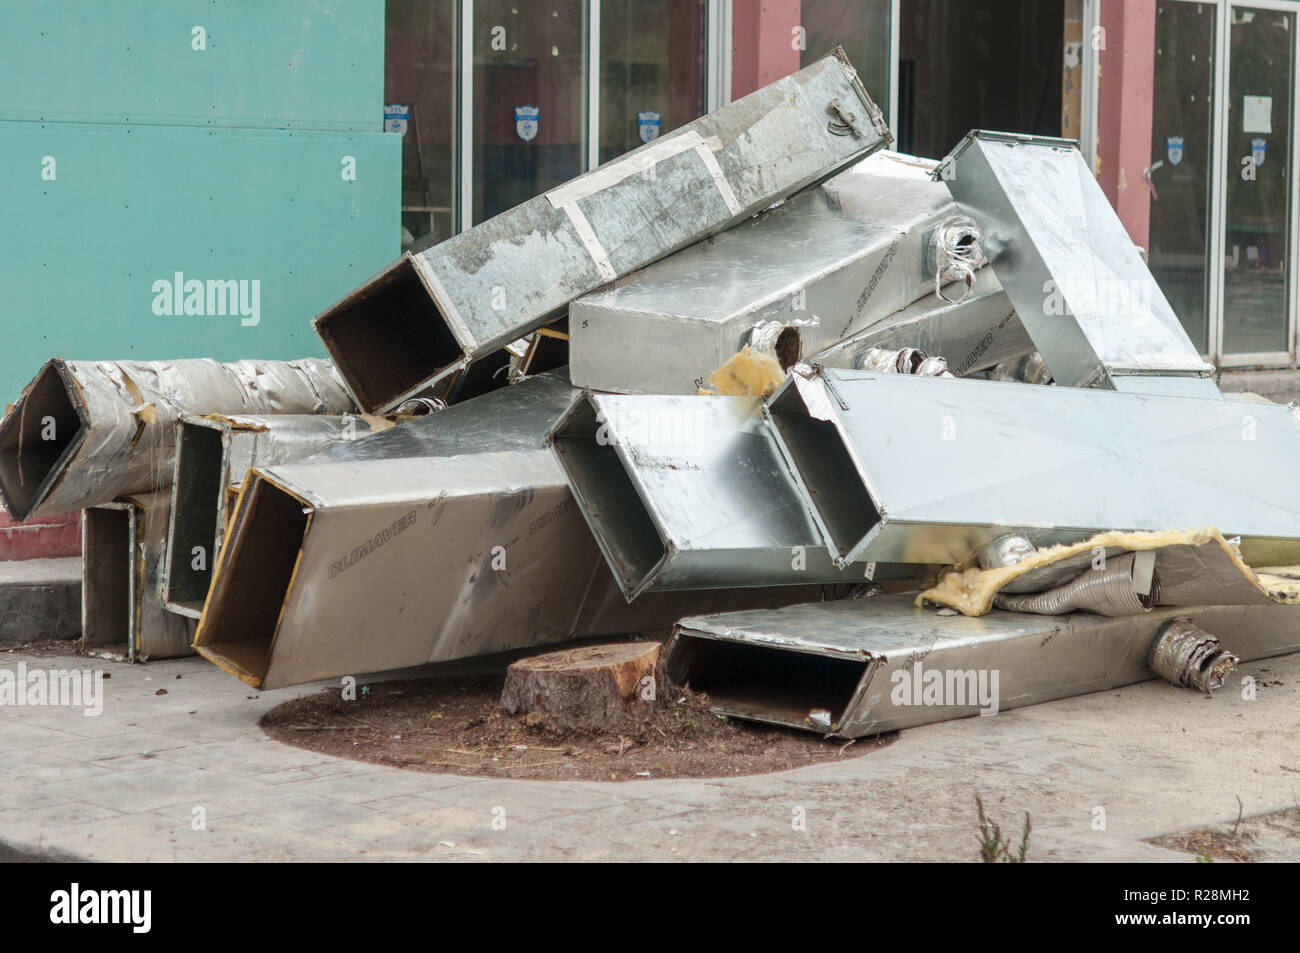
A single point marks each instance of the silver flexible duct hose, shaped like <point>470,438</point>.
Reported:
<point>1184,654</point>
<point>956,254</point>
<point>1111,591</point>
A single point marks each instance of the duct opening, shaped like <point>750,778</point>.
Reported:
<point>608,497</point>
<point>361,330</point>
<point>789,347</point>
<point>106,581</point>
<point>763,683</point>
<point>196,516</point>
<point>260,556</point>
<point>43,429</point>
<point>816,450</point>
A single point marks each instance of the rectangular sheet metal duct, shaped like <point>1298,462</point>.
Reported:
<point>213,453</point>
<point>88,432</point>
<point>1070,269</point>
<point>447,537</point>
<point>928,470</point>
<point>690,493</point>
<point>431,313</point>
<point>861,667</point>
<point>123,551</point>
<point>797,279</point>
<point>973,334</point>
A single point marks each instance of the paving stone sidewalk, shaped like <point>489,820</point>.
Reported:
<point>126,785</point>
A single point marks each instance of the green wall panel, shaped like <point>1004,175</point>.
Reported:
<point>304,64</point>
<point>131,205</point>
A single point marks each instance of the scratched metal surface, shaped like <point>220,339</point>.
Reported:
<point>828,262</point>
<point>1036,658</point>
<point>116,422</point>
<point>950,464</point>
<point>1048,225</point>
<point>509,275</point>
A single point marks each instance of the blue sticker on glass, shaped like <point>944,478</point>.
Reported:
<point>1258,149</point>
<point>527,119</point>
<point>396,118</point>
<point>648,125</point>
<point>1174,149</point>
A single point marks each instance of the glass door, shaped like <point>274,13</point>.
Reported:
<point>1257,218</point>
<point>1179,177</point>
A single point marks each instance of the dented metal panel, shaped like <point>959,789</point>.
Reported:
<point>124,547</point>
<point>1073,273</point>
<point>795,280</point>
<point>213,453</point>
<point>855,668</point>
<point>432,313</point>
<point>689,493</point>
<point>900,468</point>
<point>88,432</point>
<point>447,537</point>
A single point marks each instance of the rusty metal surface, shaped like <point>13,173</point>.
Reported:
<point>430,314</point>
<point>88,432</point>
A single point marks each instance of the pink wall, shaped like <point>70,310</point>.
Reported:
<point>1124,106</point>
<point>762,50</point>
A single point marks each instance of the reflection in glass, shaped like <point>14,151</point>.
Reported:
<point>651,70</point>
<point>1181,158</point>
<point>1259,194</point>
<point>862,28</point>
<point>420,106</point>
<point>529,99</point>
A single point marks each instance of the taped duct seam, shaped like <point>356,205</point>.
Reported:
<point>430,314</point>
<point>86,432</point>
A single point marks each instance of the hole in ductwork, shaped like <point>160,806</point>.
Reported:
<point>789,348</point>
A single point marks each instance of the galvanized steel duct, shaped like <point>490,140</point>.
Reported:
<point>87,432</point>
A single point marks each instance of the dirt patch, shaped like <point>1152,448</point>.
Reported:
<point>43,648</point>
<point>453,726</point>
<point>1260,839</point>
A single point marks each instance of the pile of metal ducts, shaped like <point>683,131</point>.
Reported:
<point>711,389</point>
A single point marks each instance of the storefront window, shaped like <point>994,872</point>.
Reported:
<point>651,70</point>
<point>530,107</point>
<point>1181,160</point>
<point>862,28</point>
<point>420,106</point>
<point>977,64</point>
<point>1259,193</point>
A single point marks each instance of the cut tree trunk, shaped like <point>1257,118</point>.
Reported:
<point>594,688</point>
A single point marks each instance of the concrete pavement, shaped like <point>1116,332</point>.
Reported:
<point>189,775</point>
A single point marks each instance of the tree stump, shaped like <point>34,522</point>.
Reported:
<point>595,688</point>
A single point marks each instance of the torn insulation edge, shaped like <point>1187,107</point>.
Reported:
<point>749,373</point>
<point>972,591</point>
